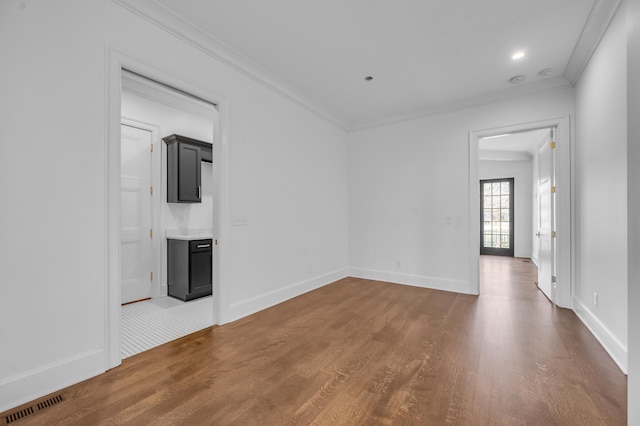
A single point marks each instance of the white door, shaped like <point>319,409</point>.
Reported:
<point>135,214</point>
<point>546,216</point>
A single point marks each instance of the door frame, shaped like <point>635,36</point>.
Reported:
<point>156,207</point>
<point>500,251</point>
<point>116,62</point>
<point>564,203</point>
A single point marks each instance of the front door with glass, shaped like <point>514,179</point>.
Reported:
<point>496,217</point>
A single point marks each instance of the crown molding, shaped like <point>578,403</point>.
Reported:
<point>599,20</point>
<point>154,12</point>
<point>545,86</point>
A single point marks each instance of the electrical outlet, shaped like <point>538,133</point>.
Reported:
<point>595,299</point>
<point>448,220</point>
<point>398,264</point>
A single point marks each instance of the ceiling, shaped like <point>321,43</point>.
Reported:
<point>425,56</point>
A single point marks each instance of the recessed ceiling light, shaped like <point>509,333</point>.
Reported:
<point>518,55</point>
<point>368,78</point>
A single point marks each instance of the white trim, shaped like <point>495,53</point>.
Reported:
<point>423,281</point>
<point>614,347</point>
<point>165,18</point>
<point>542,87</point>
<point>255,304</point>
<point>599,20</point>
<point>191,34</point>
<point>564,203</point>
<point>26,387</point>
<point>116,61</point>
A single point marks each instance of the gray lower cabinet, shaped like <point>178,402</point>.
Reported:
<point>189,264</point>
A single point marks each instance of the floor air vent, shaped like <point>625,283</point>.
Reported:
<point>42,405</point>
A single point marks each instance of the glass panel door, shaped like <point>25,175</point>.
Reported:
<point>496,217</point>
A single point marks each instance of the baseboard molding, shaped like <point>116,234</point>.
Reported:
<point>534,259</point>
<point>26,387</point>
<point>255,304</point>
<point>456,286</point>
<point>616,349</point>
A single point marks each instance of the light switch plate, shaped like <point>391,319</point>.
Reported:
<point>239,220</point>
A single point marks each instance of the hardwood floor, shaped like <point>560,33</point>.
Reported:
<point>367,352</point>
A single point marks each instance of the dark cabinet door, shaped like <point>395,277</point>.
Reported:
<point>200,271</point>
<point>183,172</point>
<point>189,173</point>
<point>189,268</point>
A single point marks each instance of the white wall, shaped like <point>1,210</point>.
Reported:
<point>633,193</point>
<point>601,193</point>
<point>522,172</point>
<point>182,218</point>
<point>287,173</point>
<point>406,178</point>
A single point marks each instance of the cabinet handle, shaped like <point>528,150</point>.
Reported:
<point>199,191</point>
<point>204,245</point>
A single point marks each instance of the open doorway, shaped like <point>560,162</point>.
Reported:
<point>503,160</point>
<point>541,221</point>
<point>155,309</point>
<point>216,306</point>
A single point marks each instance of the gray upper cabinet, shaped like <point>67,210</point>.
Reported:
<point>184,155</point>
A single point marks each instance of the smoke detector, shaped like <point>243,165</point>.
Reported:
<point>517,79</point>
<point>544,73</point>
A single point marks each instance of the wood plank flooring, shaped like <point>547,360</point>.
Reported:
<point>366,352</point>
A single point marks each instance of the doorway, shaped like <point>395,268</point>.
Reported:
<point>560,142</point>
<point>118,65</point>
<point>497,217</point>
<point>157,318</point>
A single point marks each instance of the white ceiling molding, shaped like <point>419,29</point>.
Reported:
<point>550,85</point>
<point>601,16</point>
<point>154,12</point>
<point>186,31</point>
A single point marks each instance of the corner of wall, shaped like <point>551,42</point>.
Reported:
<point>258,303</point>
<point>434,283</point>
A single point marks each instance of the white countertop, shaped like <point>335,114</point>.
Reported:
<point>200,234</point>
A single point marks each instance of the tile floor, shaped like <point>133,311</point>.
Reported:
<point>153,322</point>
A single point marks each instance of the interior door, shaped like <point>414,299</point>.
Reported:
<point>135,214</point>
<point>546,218</point>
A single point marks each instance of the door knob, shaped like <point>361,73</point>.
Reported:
<point>538,234</point>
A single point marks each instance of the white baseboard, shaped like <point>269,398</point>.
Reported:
<point>445,284</point>
<point>534,259</point>
<point>614,347</point>
<point>26,387</point>
<point>255,304</point>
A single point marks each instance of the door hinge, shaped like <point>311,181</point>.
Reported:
<point>151,190</point>
<point>553,189</point>
<point>150,233</point>
<point>553,234</point>
<point>552,145</point>
<point>150,276</point>
<point>151,147</point>
<point>553,279</point>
